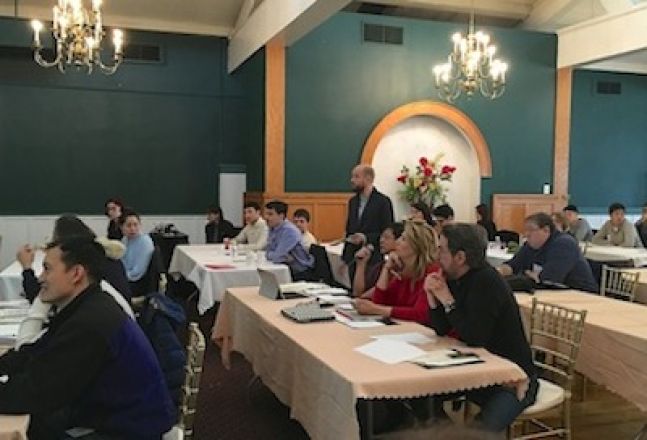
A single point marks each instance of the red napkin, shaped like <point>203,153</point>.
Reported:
<point>219,266</point>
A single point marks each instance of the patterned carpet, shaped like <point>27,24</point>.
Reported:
<point>229,408</point>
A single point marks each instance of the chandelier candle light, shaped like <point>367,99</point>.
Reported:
<point>78,34</point>
<point>471,67</point>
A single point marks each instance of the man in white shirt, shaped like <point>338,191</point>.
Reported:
<point>254,234</point>
<point>301,220</point>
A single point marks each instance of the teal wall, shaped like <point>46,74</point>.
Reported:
<point>608,157</point>
<point>339,88</point>
<point>154,134</point>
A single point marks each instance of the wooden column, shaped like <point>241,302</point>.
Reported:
<point>562,131</point>
<point>275,117</point>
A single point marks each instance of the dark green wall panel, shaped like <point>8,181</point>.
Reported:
<point>154,134</point>
<point>338,89</point>
<point>608,159</point>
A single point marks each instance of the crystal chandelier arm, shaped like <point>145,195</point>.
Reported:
<point>38,57</point>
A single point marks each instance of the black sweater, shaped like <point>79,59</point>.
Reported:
<point>216,232</point>
<point>486,315</point>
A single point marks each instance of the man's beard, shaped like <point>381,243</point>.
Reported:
<point>358,189</point>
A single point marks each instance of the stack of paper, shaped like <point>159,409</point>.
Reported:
<point>390,352</point>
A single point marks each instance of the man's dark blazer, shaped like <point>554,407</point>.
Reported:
<point>377,215</point>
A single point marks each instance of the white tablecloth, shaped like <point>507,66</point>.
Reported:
<point>339,268</point>
<point>191,261</point>
<point>497,256</point>
<point>11,278</point>
<point>614,253</point>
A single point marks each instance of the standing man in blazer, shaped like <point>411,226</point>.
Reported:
<point>369,212</point>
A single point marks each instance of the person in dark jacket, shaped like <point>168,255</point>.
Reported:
<point>113,209</point>
<point>217,228</point>
<point>160,319</point>
<point>369,212</point>
<point>550,257</point>
<point>112,270</point>
<point>94,367</point>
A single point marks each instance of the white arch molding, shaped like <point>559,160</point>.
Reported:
<point>426,128</point>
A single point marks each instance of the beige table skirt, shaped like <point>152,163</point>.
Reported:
<point>13,427</point>
<point>314,370</point>
<point>613,352</point>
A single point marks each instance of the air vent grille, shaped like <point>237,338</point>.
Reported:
<point>377,33</point>
<point>608,88</point>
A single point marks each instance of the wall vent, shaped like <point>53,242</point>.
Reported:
<point>377,33</point>
<point>147,53</point>
<point>608,88</point>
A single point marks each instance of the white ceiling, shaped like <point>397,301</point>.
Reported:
<point>222,17</point>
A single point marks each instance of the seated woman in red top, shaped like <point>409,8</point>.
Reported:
<point>399,290</point>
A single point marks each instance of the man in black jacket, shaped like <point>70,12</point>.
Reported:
<point>369,213</point>
<point>479,306</point>
<point>93,367</point>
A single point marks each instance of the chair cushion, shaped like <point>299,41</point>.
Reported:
<point>549,396</point>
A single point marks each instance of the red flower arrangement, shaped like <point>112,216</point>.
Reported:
<point>425,185</point>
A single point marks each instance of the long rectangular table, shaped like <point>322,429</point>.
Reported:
<point>614,254</point>
<point>192,262</point>
<point>613,352</point>
<point>314,370</point>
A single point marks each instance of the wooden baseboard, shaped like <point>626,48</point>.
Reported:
<point>328,211</point>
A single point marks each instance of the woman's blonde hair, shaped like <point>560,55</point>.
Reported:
<point>424,243</point>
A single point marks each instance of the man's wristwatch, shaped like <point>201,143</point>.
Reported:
<point>449,306</point>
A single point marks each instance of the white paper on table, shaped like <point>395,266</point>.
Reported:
<point>390,352</point>
<point>411,338</point>
<point>9,330</point>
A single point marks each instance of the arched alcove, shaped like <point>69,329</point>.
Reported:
<point>426,128</point>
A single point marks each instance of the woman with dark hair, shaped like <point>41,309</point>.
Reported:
<point>113,208</point>
<point>420,211</point>
<point>139,251</point>
<point>217,228</point>
<point>483,219</point>
<point>366,277</point>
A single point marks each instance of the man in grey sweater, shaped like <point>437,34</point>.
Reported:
<point>617,231</point>
<point>577,227</point>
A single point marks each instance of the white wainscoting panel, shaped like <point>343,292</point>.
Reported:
<point>19,230</point>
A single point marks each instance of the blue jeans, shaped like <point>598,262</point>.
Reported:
<point>500,405</point>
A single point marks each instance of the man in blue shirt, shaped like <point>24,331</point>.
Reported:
<point>284,242</point>
<point>550,257</point>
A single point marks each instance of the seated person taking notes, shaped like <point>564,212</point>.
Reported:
<point>284,242</point>
<point>399,290</point>
<point>550,256</point>
<point>254,234</point>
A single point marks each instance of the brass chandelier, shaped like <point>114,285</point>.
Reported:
<point>78,34</point>
<point>471,67</point>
